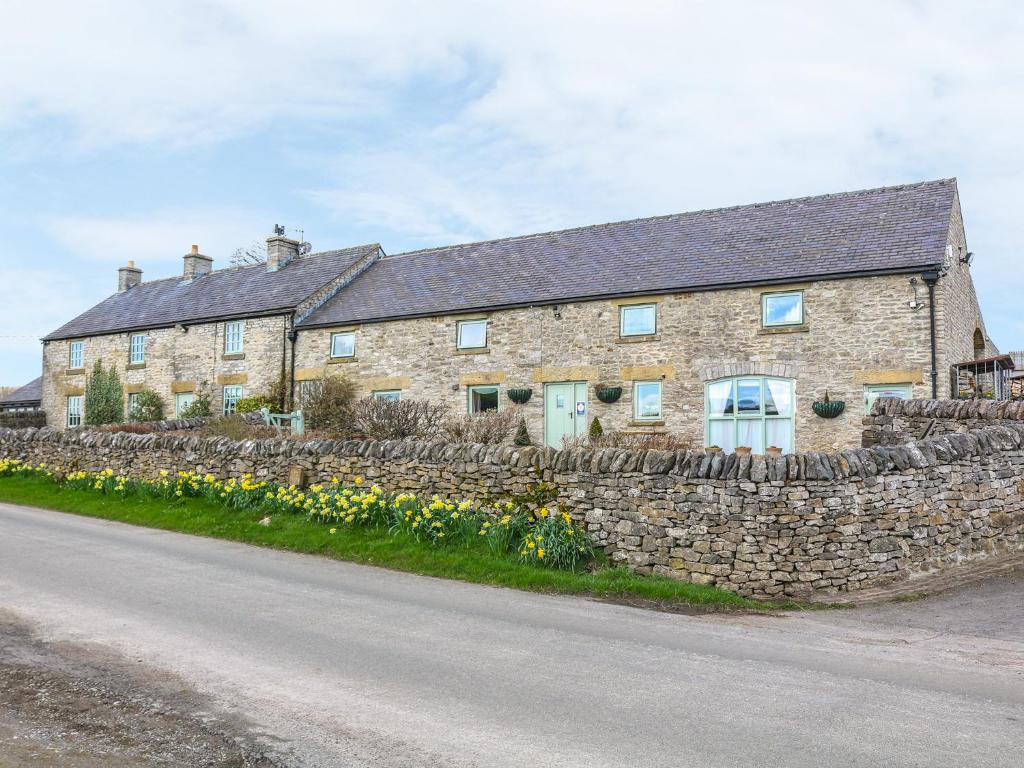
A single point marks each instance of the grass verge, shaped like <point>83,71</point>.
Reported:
<point>471,561</point>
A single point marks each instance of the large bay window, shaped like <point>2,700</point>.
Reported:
<point>751,411</point>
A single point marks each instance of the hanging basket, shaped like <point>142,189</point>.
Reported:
<point>608,394</point>
<point>828,409</point>
<point>520,395</point>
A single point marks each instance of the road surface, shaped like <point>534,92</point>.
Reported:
<point>331,664</point>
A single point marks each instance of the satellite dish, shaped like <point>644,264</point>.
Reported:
<point>304,248</point>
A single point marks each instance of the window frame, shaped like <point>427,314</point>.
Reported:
<point>78,346</point>
<point>624,308</point>
<point>736,417</point>
<point>459,325</point>
<point>661,400</point>
<point>386,394</point>
<point>231,339</point>
<point>875,388</point>
<point>765,297</point>
<point>130,399</point>
<point>233,401</point>
<point>141,358</point>
<point>337,335</point>
<point>469,397</point>
<point>177,402</point>
<point>79,411</point>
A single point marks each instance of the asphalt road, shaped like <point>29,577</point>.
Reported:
<point>339,665</point>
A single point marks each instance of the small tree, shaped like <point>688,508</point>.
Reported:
<point>327,404</point>
<point>104,396</point>
<point>522,437</point>
<point>596,430</point>
<point>147,407</point>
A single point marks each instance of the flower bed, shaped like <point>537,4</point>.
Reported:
<point>528,526</point>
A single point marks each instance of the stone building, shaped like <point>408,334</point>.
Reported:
<point>724,326</point>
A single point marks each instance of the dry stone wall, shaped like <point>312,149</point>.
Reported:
<point>803,525</point>
<point>894,422</point>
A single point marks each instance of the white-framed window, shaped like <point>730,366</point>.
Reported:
<point>752,411</point>
<point>343,344</point>
<point>138,349</point>
<point>75,410</point>
<point>874,391</point>
<point>76,355</point>
<point>183,400</point>
<point>647,401</point>
<point>638,319</point>
<point>780,309</point>
<point>234,337</point>
<point>232,394</point>
<point>471,334</point>
<point>387,394</point>
<point>133,399</point>
<point>483,398</point>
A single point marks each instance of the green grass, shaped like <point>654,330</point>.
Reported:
<point>471,561</point>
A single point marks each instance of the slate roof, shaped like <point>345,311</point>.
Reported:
<point>891,229</point>
<point>28,394</point>
<point>235,292</point>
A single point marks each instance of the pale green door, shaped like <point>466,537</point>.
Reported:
<point>183,400</point>
<point>565,412</point>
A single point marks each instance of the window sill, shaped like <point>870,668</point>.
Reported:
<point>233,356</point>
<point>74,371</point>
<point>473,351</point>
<point>135,366</point>
<point>638,339</point>
<point>340,360</point>
<point>803,328</point>
<point>651,423</point>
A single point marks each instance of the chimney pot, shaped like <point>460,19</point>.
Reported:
<point>196,264</point>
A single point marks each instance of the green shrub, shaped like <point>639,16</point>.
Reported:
<point>254,403</point>
<point>104,396</point>
<point>147,407</point>
<point>522,437</point>
<point>557,542</point>
<point>596,430</point>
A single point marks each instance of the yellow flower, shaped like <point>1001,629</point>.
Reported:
<point>540,553</point>
<point>358,480</point>
<point>334,530</point>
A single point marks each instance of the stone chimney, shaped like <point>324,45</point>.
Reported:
<point>280,250</point>
<point>128,277</point>
<point>196,264</point>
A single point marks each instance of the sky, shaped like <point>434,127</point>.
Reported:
<point>132,130</point>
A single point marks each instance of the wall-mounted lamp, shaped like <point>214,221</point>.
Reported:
<point>914,303</point>
<point>967,258</point>
<point>558,311</point>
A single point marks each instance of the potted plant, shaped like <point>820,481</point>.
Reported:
<point>608,393</point>
<point>520,395</point>
<point>712,449</point>
<point>828,409</point>
<point>773,450</point>
<point>743,450</point>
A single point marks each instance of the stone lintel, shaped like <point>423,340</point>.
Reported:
<point>309,374</point>
<point>575,373</point>
<point>889,376</point>
<point>182,386</point>
<point>482,377</point>
<point>646,372</point>
<point>227,379</point>
<point>375,383</point>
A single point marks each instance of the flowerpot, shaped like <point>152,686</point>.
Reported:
<point>773,450</point>
<point>829,409</point>
<point>520,395</point>
<point>743,450</point>
<point>712,449</point>
<point>608,394</point>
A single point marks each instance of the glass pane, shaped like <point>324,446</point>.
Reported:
<point>472,334</point>
<point>648,400</point>
<point>778,397</point>
<point>779,434</point>
<point>720,398</point>
<point>749,399</point>
<point>782,309</point>
<point>638,321</point>
<point>391,394</point>
<point>483,399</point>
<point>721,433</point>
<point>343,345</point>
<point>750,433</point>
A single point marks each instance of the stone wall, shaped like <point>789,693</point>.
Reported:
<point>803,525</point>
<point>177,360</point>
<point>895,422</point>
<point>857,332</point>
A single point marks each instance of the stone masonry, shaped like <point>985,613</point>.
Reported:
<point>803,525</point>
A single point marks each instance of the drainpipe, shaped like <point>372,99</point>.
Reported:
<point>930,279</point>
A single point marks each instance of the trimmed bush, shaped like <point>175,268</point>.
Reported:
<point>522,437</point>
<point>104,397</point>
<point>147,407</point>
<point>596,430</point>
<point>327,404</point>
<point>254,404</point>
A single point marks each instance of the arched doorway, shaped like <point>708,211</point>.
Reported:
<point>979,344</point>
